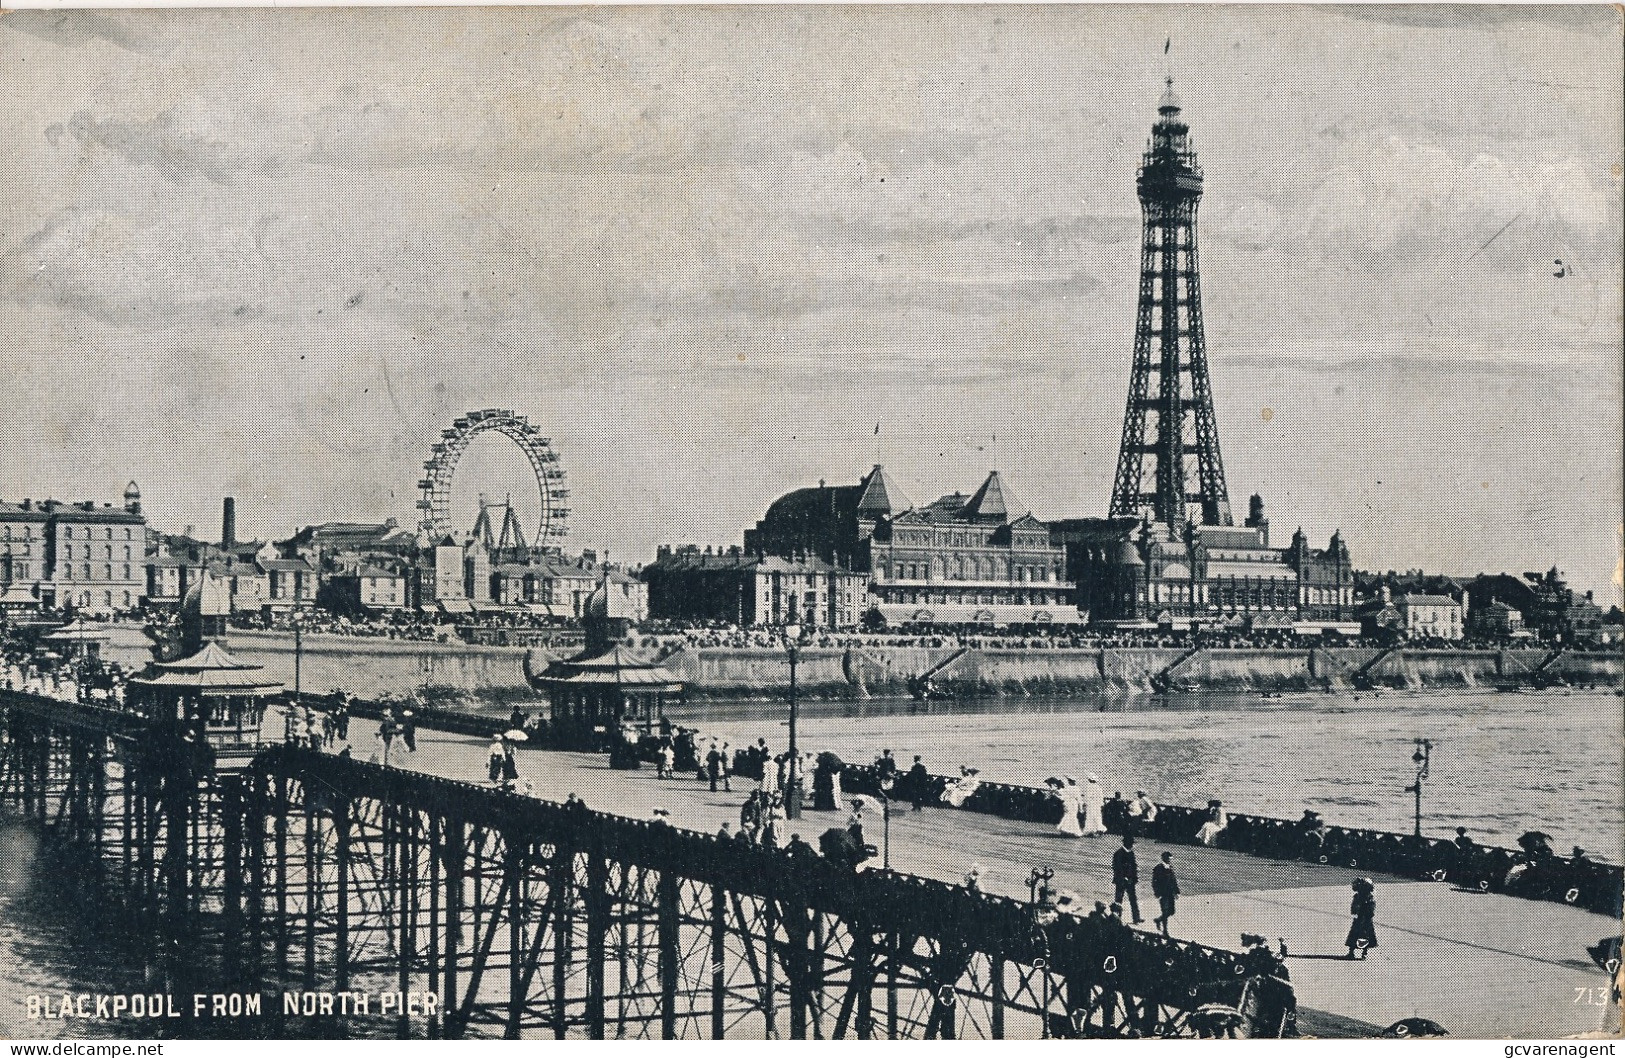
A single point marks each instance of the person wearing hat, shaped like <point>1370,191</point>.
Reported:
<point>409,730</point>
<point>1094,806</point>
<point>918,780</point>
<point>973,878</point>
<point>1165,887</point>
<point>885,766</point>
<point>494,765</point>
<point>1209,832</point>
<point>1141,812</point>
<point>1126,876</point>
<point>1066,791</point>
<point>1363,909</point>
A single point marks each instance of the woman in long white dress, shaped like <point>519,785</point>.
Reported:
<point>1217,820</point>
<point>1094,802</point>
<point>959,791</point>
<point>1069,795</point>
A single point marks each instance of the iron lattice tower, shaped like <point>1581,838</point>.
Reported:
<point>1169,345</point>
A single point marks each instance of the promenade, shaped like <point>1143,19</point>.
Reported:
<point>1481,965</point>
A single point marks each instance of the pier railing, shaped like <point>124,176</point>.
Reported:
<point>1588,884</point>
<point>509,915</point>
<point>1583,883</point>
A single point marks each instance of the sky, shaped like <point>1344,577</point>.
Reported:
<point>272,254</point>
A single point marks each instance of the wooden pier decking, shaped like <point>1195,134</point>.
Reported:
<point>1482,965</point>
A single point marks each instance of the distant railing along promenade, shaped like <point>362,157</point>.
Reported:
<point>1590,884</point>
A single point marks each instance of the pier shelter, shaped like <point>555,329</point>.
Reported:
<point>77,640</point>
<point>593,694</point>
<point>209,696</point>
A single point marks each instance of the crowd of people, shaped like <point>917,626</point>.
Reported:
<point>390,625</point>
<point>403,625</point>
<point>667,639</point>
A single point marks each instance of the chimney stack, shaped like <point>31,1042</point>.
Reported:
<point>228,522</point>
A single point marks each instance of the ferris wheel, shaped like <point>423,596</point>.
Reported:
<point>435,503</point>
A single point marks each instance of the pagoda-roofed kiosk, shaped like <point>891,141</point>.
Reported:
<point>211,697</point>
<point>595,694</point>
<point>77,639</point>
<point>606,687</point>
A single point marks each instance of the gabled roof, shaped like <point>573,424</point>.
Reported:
<point>295,565</point>
<point>879,495</point>
<point>1426,600</point>
<point>990,502</point>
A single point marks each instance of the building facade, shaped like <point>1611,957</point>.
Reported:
<point>1142,574</point>
<point>80,555</point>
<point>22,554</point>
<point>978,559</point>
<point>962,559</point>
<point>1430,616</point>
<point>365,589</point>
<point>744,590</point>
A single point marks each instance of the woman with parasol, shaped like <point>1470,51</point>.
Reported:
<point>1065,790</point>
<point>1363,909</point>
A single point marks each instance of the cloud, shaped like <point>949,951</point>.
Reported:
<point>161,144</point>
<point>76,29</point>
<point>1579,18</point>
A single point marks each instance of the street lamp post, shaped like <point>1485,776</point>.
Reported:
<point>1041,905</point>
<point>886,786</point>
<point>792,794</point>
<point>298,657</point>
<point>1421,758</point>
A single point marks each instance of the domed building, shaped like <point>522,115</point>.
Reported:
<point>1142,574</point>
<point>833,556</point>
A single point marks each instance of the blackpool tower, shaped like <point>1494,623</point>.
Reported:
<point>1169,463</point>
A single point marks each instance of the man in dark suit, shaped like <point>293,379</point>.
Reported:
<point>713,766</point>
<point>1166,889</point>
<point>1126,876</point>
<point>918,779</point>
<point>885,766</point>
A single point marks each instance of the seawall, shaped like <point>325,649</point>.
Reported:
<point>372,667</point>
<point>885,671</point>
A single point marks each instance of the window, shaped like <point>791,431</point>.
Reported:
<point>109,550</point>
<point>68,533</point>
<point>126,572</point>
<point>87,577</point>
<point>127,601</point>
<point>107,575</point>
<point>126,534</point>
<point>126,552</point>
<point>110,536</point>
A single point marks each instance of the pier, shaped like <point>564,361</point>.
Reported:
<point>522,916</point>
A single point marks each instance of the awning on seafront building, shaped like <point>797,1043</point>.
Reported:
<point>462,606</point>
